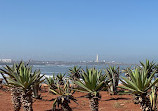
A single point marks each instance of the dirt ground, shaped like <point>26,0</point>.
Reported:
<point>107,102</point>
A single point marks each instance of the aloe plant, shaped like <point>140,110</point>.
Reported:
<point>9,71</point>
<point>125,71</point>
<point>65,94</point>
<point>91,84</point>
<point>51,81</point>
<point>140,84</point>
<point>75,73</point>
<point>151,67</point>
<point>148,66</point>
<point>113,74</point>
<point>36,84</point>
<point>102,77</point>
<point>60,78</point>
<point>153,98</point>
<point>24,79</point>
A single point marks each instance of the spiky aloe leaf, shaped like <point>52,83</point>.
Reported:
<point>139,82</point>
<point>91,81</point>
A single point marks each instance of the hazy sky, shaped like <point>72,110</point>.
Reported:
<point>120,30</point>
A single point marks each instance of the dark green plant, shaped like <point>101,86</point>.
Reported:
<point>51,82</point>
<point>60,78</point>
<point>91,84</point>
<point>75,73</point>
<point>9,71</point>
<point>151,67</point>
<point>140,84</point>
<point>125,71</point>
<point>103,77</point>
<point>148,66</point>
<point>65,94</point>
<point>113,75</point>
<point>36,85</point>
<point>24,79</point>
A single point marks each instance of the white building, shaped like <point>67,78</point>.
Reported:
<point>6,60</point>
<point>97,58</point>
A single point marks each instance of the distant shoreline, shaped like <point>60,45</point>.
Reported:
<point>66,63</point>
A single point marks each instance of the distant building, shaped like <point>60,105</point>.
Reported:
<point>97,58</point>
<point>6,60</point>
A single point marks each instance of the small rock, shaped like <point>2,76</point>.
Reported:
<point>122,104</point>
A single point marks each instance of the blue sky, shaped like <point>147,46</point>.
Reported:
<point>74,30</point>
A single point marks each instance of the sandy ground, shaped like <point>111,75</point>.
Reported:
<point>107,102</point>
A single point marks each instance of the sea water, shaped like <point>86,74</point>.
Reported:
<point>49,70</point>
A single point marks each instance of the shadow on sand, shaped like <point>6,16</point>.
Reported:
<point>119,98</point>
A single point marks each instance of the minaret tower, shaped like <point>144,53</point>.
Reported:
<point>97,58</point>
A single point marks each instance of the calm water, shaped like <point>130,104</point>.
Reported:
<point>48,70</point>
